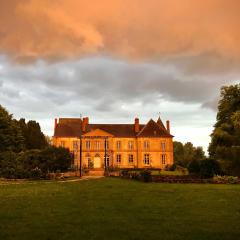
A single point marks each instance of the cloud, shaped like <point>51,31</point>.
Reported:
<point>153,29</point>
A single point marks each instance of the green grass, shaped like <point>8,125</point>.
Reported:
<point>112,208</point>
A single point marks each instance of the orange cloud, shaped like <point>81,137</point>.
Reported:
<point>135,29</point>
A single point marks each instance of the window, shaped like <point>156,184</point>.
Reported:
<point>75,145</point>
<point>130,145</point>
<point>130,158</point>
<point>88,144</point>
<point>164,159</point>
<point>106,144</point>
<point>107,160</point>
<point>62,144</point>
<point>118,145</point>
<point>146,159</point>
<point>163,146</point>
<point>97,145</point>
<point>89,161</point>
<point>146,144</point>
<point>119,158</point>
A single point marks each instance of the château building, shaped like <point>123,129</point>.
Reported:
<point>99,146</point>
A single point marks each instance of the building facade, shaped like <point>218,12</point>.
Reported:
<point>101,146</point>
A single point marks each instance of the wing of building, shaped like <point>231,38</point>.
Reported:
<point>115,145</point>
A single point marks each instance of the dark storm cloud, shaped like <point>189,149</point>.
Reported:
<point>104,84</point>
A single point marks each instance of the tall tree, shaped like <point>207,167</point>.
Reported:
<point>34,138</point>
<point>225,139</point>
<point>11,138</point>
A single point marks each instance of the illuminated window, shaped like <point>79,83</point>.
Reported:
<point>130,145</point>
<point>146,159</point>
<point>130,158</point>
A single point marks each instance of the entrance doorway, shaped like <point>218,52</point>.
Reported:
<point>97,161</point>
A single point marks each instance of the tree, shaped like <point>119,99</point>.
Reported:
<point>186,153</point>
<point>11,138</point>
<point>225,139</point>
<point>34,138</point>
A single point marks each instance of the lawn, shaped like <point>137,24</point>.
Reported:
<point>110,208</point>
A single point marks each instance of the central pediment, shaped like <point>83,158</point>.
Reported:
<point>97,133</point>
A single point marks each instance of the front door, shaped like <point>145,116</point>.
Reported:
<point>97,162</point>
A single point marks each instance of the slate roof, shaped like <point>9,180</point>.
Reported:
<point>72,128</point>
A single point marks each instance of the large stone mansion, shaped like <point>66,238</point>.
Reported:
<point>99,146</point>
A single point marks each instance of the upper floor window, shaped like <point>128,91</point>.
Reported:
<point>130,145</point>
<point>88,144</point>
<point>163,146</point>
<point>75,145</point>
<point>146,159</point>
<point>118,145</point>
<point>164,158</point>
<point>119,158</point>
<point>130,158</point>
<point>146,144</point>
<point>107,144</point>
<point>62,144</point>
<point>97,145</point>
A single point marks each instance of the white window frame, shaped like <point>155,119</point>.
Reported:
<point>118,145</point>
<point>118,159</point>
<point>75,145</point>
<point>130,145</point>
<point>146,159</point>
<point>163,146</point>
<point>97,145</point>
<point>62,144</point>
<point>146,144</point>
<point>130,159</point>
<point>88,144</point>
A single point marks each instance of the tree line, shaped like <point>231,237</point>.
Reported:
<point>25,151</point>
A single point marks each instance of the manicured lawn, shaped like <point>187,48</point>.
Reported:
<point>119,209</point>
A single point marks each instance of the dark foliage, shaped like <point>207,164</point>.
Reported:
<point>34,163</point>
<point>209,168</point>
<point>225,142</point>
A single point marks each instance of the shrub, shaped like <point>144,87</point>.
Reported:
<point>225,179</point>
<point>146,175</point>
<point>209,168</point>
<point>194,167</point>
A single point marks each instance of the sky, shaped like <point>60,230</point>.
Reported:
<point>114,60</point>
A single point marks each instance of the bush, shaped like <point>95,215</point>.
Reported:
<point>194,167</point>
<point>34,163</point>
<point>146,175</point>
<point>225,179</point>
<point>209,168</point>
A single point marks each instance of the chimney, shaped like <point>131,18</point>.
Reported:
<point>136,125</point>
<point>85,122</point>
<point>55,123</point>
<point>168,125</point>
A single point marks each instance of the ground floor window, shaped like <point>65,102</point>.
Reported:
<point>119,158</point>
<point>146,159</point>
<point>107,160</point>
<point>130,158</point>
<point>164,159</point>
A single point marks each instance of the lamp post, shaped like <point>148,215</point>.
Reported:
<point>80,157</point>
